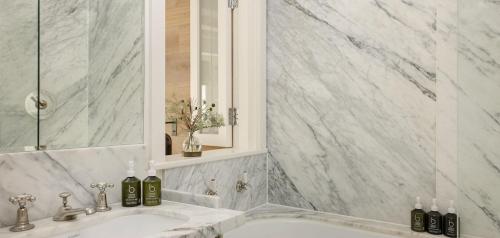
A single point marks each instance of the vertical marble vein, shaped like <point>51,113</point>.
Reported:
<point>18,73</point>
<point>116,81</point>
<point>479,117</point>
<point>64,63</point>
<point>351,105</point>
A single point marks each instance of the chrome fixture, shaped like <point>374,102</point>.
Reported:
<point>22,220</point>
<point>211,188</point>
<point>66,213</point>
<point>102,201</point>
<point>242,184</point>
<point>40,105</point>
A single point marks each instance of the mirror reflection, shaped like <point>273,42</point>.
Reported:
<point>71,76</point>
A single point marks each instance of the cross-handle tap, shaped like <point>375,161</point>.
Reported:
<point>102,201</point>
<point>22,221</point>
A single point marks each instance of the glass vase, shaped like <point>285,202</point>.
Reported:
<point>191,147</point>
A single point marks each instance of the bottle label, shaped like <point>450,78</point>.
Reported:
<point>417,223</point>
<point>131,194</point>
<point>451,228</point>
<point>435,225</point>
<point>152,194</point>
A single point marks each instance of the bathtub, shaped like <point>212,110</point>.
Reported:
<point>297,228</point>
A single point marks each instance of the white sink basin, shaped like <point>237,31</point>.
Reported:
<point>130,226</point>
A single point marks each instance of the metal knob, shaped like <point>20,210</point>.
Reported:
<point>22,199</point>
<point>22,221</point>
<point>102,186</point>
<point>64,196</point>
<point>211,188</point>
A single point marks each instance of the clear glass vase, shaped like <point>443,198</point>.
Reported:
<point>191,147</point>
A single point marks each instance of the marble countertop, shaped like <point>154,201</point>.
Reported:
<point>201,221</point>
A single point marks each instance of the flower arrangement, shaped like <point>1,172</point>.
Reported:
<point>194,117</point>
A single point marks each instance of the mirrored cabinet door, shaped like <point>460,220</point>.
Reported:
<point>71,76</point>
<point>18,75</point>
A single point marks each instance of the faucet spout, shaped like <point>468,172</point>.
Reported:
<point>66,213</point>
<point>70,214</point>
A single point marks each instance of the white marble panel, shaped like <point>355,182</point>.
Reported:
<point>447,102</point>
<point>479,117</point>
<point>64,63</point>
<point>116,81</point>
<point>351,105</point>
<point>18,73</point>
<point>193,179</point>
<point>46,174</point>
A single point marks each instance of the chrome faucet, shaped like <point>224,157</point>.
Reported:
<point>102,201</point>
<point>211,188</point>
<point>22,221</point>
<point>66,213</point>
<point>242,183</point>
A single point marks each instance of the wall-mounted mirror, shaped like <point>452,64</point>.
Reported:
<point>199,68</point>
<point>71,76</point>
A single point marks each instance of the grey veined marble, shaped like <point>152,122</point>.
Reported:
<point>46,174</point>
<point>91,65</point>
<point>116,72</point>
<point>351,105</point>
<point>479,116</point>
<point>18,74</point>
<point>193,179</point>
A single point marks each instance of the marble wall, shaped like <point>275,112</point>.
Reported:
<point>18,74</point>
<point>193,179</point>
<point>46,174</point>
<point>352,105</point>
<point>369,107</point>
<point>91,66</point>
<point>64,64</point>
<point>116,72</point>
<point>479,116</point>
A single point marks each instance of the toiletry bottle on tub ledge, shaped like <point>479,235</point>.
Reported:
<point>418,217</point>
<point>434,220</point>
<point>450,222</point>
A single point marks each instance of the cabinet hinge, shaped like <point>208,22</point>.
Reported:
<point>232,4</point>
<point>232,116</point>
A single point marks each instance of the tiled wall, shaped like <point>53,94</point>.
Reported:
<point>193,179</point>
<point>369,107</point>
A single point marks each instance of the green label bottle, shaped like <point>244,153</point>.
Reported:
<point>131,188</point>
<point>131,192</point>
<point>151,188</point>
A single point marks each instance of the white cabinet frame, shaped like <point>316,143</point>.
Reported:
<point>223,138</point>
